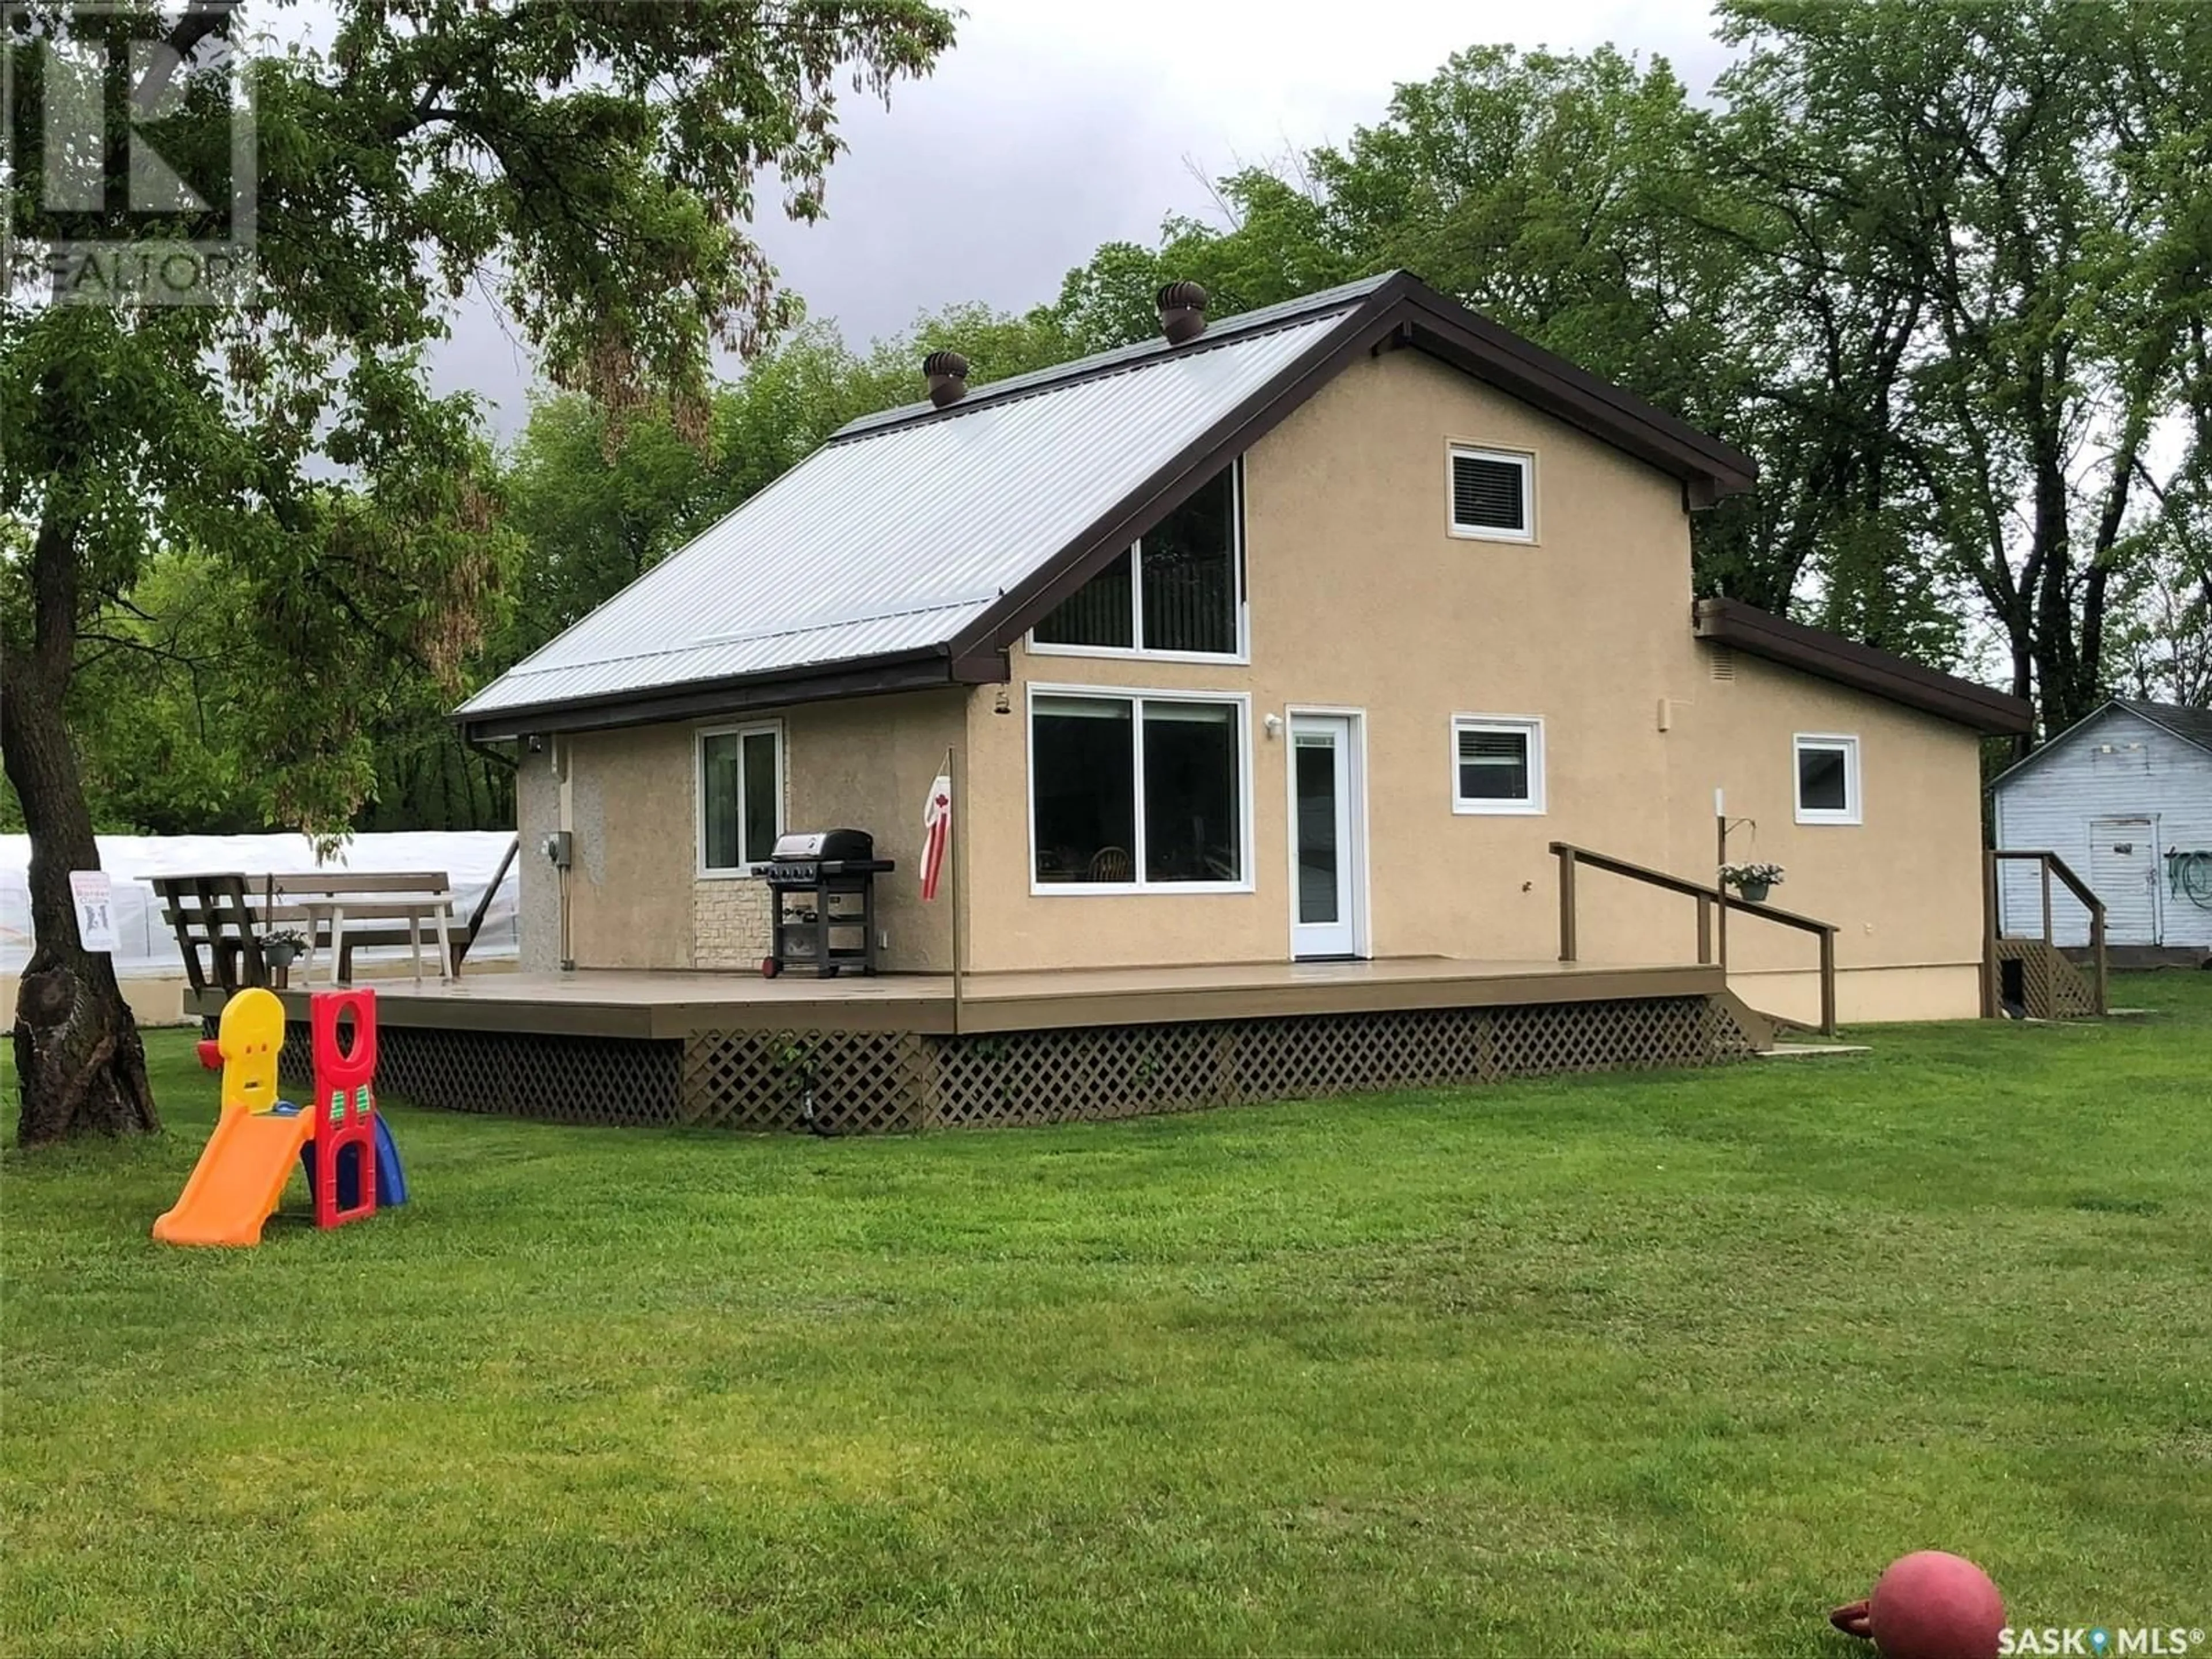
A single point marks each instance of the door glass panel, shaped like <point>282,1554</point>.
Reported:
<point>1315,757</point>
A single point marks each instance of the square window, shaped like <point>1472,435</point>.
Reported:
<point>1828,779</point>
<point>1497,763</point>
<point>740,798</point>
<point>1492,495</point>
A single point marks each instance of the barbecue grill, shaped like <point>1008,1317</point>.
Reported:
<point>822,890</point>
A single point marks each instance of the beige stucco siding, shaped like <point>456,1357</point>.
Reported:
<point>867,764</point>
<point>633,812</point>
<point>1902,887</point>
<point>1360,598</point>
<point>636,898</point>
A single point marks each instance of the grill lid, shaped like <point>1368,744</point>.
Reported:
<point>823,844</point>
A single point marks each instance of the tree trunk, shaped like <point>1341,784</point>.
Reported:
<point>80,1066</point>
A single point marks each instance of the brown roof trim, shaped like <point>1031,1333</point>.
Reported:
<point>1402,312</point>
<point>1022,605</point>
<point>1448,331</point>
<point>1746,628</point>
<point>905,670</point>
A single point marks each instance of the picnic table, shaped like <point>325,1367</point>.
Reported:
<point>222,916</point>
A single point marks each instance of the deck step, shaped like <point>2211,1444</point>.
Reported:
<point>1812,1050</point>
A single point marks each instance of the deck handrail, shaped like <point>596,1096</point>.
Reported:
<point>1570,855</point>
<point>2052,864</point>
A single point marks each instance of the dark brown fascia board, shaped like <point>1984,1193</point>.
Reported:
<point>1831,657</point>
<point>905,670</point>
<point>1473,344</point>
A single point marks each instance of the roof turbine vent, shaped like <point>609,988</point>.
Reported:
<point>1183,312</point>
<point>948,377</point>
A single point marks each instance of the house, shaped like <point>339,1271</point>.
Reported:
<point>2125,797</point>
<point>1310,636</point>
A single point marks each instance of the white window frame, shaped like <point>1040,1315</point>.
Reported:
<point>1530,726</point>
<point>703,870</point>
<point>1138,696</point>
<point>1854,807</point>
<point>1242,655</point>
<point>1523,458</point>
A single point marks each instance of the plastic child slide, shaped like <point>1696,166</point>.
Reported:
<point>340,1139</point>
<point>243,1169</point>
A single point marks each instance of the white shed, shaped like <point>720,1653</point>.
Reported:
<point>2125,797</point>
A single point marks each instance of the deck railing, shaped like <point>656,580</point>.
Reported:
<point>1714,905</point>
<point>2048,864</point>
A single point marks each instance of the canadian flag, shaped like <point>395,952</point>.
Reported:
<point>936,832</point>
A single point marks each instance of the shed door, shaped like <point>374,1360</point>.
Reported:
<point>2123,869</point>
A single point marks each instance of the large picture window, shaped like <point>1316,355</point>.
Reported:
<point>1177,593</point>
<point>1131,791</point>
<point>740,798</point>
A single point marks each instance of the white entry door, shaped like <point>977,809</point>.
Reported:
<point>2123,866</point>
<point>1328,863</point>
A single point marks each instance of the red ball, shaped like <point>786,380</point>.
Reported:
<point>1930,1604</point>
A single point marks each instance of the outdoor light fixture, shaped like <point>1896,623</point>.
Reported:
<point>1274,725</point>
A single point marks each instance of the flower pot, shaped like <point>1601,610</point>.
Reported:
<point>1754,892</point>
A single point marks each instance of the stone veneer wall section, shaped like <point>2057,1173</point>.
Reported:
<point>729,922</point>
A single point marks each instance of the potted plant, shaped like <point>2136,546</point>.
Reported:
<point>280,947</point>
<point>1751,882</point>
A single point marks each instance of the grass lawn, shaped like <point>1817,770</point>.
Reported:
<point>1602,1365</point>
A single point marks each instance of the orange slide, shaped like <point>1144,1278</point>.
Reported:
<point>242,1172</point>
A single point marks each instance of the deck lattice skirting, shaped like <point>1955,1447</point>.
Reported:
<point>845,1082</point>
<point>2052,988</point>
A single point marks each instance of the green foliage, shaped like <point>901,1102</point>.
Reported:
<point>602,162</point>
<point>598,499</point>
<point>1595,1365</point>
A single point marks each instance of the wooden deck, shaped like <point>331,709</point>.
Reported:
<point>637,1005</point>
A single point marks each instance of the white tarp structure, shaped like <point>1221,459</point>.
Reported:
<point>148,945</point>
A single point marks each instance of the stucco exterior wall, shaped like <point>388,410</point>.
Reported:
<point>635,896</point>
<point>1360,598</point>
<point>538,896</point>
<point>867,764</point>
<point>633,812</point>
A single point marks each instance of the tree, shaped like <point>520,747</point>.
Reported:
<point>598,501</point>
<point>2013,195</point>
<point>602,160</point>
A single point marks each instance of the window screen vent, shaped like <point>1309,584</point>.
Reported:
<point>1490,493</point>
<point>1722,663</point>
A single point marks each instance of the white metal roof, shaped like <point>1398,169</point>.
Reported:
<point>903,531</point>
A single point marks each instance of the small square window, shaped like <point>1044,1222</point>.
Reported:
<point>1492,495</point>
<point>1497,764</point>
<point>1828,779</point>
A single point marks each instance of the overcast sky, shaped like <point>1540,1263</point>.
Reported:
<point>1053,126</point>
